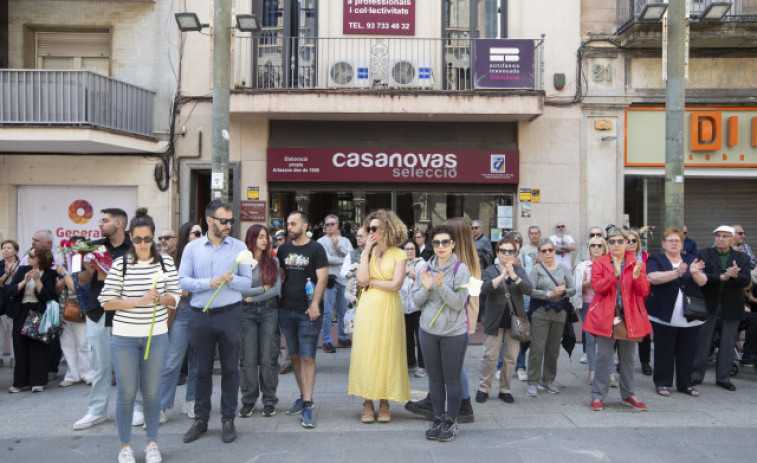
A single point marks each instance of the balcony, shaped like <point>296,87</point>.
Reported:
<point>736,29</point>
<point>388,77</point>
<point>73,111</point>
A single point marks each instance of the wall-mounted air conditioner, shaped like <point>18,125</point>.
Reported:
<point>349,74</point>
<point>410,74</point>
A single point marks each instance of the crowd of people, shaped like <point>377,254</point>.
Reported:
<point>148,313</point>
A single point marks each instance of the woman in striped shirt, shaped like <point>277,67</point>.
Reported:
<point>140,288</point>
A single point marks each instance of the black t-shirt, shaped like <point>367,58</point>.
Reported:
<point>299,264</point>
<point>95,310</point>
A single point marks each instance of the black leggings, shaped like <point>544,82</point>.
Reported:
<point>444,356</point>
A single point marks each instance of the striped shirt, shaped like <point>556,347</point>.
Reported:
<point>139,279</point>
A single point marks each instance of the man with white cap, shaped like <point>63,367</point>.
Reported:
<point>727,272</point>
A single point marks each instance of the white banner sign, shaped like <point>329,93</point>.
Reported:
<point>68,210</point>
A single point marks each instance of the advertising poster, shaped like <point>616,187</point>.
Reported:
<point>379,17</point>
<point>505,63</point>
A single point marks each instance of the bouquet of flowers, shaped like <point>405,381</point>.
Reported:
<point>98,254</point>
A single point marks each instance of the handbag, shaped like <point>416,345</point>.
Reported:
<point>620,330</point>
<point>694,308</point>
<point>567,306</point>
<point>520,328</point>
<point>71,311</point>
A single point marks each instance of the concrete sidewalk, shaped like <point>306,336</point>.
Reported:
<point>719,425</point>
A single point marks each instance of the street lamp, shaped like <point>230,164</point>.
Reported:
<point>189,22</point>
<point>715,11</point>
<point>247,23</point>
<point>653,12</point>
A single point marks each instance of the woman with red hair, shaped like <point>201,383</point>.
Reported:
<point>260,327</point>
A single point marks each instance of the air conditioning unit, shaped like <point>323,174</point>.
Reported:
<point>410,74</point>
<point>349,74</point>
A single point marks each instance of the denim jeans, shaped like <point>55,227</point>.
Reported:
<point>590,343</point>
<point>178,340</point>
<point>301,334</point>
<point>260,352</point>
<point>334,298</point>
<point>134,373</point>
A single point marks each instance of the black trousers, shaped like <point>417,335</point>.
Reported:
<point>645,349</point>
<point>32,357</point>
<point>412,323</point>
<point>674,351</point>
<point>750,342</point>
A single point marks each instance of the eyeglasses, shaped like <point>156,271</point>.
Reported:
<point>673,241</point>
<point>592,235</point>
<point>224,221</point>
<point>547,250</point>
<point>475,227</point>
<point>140,240</point>
<point>373,229</point>
<point>633,240</point>
<point>618,241</point>
<point>560,226</point>
<point>196,233</point>
<point>740,233</point>
<point>32,256</point>
<point>442,243</point>
<point>166,238</point>
<point>506,252</point>
<point>595,246</point>
<point>331,224</point>
<point>410,249</point>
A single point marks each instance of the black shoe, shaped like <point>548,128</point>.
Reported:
<point>246,410</point>
<point>449,430</point>
<point>466,412</point>
<point>269,411</point>
<point>481,397</point>
<point>329,348</point>
<point>747,362</point>
<point>228,432</point>
<point>727,385</point>
<point>421,407</point>
<point>506,397</point>
<point>345,343</point>
<point>432,433</point>
<point>199,427</point>
<point>646,369</point>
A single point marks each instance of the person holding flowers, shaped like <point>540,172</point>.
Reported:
<point>140,288</point>
<point>212,269</point>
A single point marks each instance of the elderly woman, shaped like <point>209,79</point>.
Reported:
<point>505,283</point>
<point>620,286</point>
<point>673,276</point>
<point>550,300</point>
<point>584,294</point>
<point>645,346</point>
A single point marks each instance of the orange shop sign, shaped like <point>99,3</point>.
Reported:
<point>713,137</point>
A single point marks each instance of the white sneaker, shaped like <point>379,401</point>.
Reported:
<point>163,417</point>
<point>126,455</point>
<point>614,380</point>
<point>584,359</point>
<point>522,375</point>
<point>420,373</point>
<point>152,454</point>
<point>189,409</point>
<point>498,374</point>
<point>138,418</point>
<point>87,421</point>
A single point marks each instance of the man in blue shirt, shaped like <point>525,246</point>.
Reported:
<point>205,265</point>
<point>689,245</point>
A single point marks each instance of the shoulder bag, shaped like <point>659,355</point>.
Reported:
<point>72,313</point>
<point>567,306</point>
<point>694,308</point>
<point>520,328</point>
<point>620,330</point>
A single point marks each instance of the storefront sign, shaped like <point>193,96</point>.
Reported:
<point>379,17</point>
<point>68,210</point>
<point>505,63</point>
<point>392,165</point>
<point>713,137</point>
<point>525,195</point>
<point>252,211</point>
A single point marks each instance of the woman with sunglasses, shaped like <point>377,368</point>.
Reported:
<point>505,283</point>
<point>178,341</point>
<point>140,287</point>
<point>620,286</point>
<point>552,289</point>
<point>582,276</point>
<point>30,289</point>
<point>672,276</point>
<point>645,346</point>
<point>440,294</point>
<point>378,361</point>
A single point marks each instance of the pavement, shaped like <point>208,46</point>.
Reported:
<point>718,426</point>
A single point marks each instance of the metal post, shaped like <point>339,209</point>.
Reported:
<point>674,113</point>
<point>219,184</point>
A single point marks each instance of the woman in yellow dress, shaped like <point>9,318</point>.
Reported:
<point>378,365</point>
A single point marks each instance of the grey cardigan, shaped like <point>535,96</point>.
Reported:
<point>496,301</point>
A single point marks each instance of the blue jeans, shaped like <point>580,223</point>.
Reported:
<point>589,341</point>
<point>300,333</point>
<point>134,373</point>
<point>334,297</point>
<point>98,336</point>
<point>260,352</point>
<point>178,340</point>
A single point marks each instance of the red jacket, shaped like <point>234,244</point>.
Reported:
<point>633,291</point>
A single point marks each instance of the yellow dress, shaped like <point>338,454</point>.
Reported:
<point>378,363</point>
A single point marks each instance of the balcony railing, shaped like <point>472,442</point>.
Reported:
<point>741,10</point>
<point>74,98</point>
<point>275,62</point>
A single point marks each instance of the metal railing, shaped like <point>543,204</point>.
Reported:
<point>629,11</point>
<point>272,61</point>
<point>73,97</point>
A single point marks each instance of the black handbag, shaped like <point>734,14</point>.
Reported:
<point>694,308</point>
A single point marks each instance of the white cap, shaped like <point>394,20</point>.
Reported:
<point>726,229</point>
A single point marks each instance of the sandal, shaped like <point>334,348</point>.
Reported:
<point>663,391</point>
<point>690,391</point>
<point>368,416</point>
<point>384,415</point>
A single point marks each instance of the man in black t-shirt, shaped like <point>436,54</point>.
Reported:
<point>299,315</point>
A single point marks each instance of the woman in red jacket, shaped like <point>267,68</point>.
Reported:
<point>620,286</point>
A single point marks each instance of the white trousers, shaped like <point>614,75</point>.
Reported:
<point>73,343</point>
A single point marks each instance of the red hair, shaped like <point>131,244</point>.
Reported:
<point>267,267</point>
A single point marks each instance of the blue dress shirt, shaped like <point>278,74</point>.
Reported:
<point>201,261</point>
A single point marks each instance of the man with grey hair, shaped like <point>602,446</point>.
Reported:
<point>483,245</point>
<point>337,248</point>
<point>564,245</point>
<point>43,238</point>
<point>583,253</point>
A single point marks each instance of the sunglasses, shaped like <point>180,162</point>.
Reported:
<point>140,240</point>
<point>196,233</point>
<point>32,256</point>
<point>442,243</point>
<point>506,252</point>
<point>592,235</point>
<point>633,240</point>
<point>560,226</point>
<point>373,229</point>
<point>547,251</point>
<point>685,233</point>
<point>595,246</point>
<point>619,241</point>
<point>280,238</point>
<point>224,221</point>
<point>332,224</point>
<point>475,227</point>
<point>166,238</point>
<point>740,233</point>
